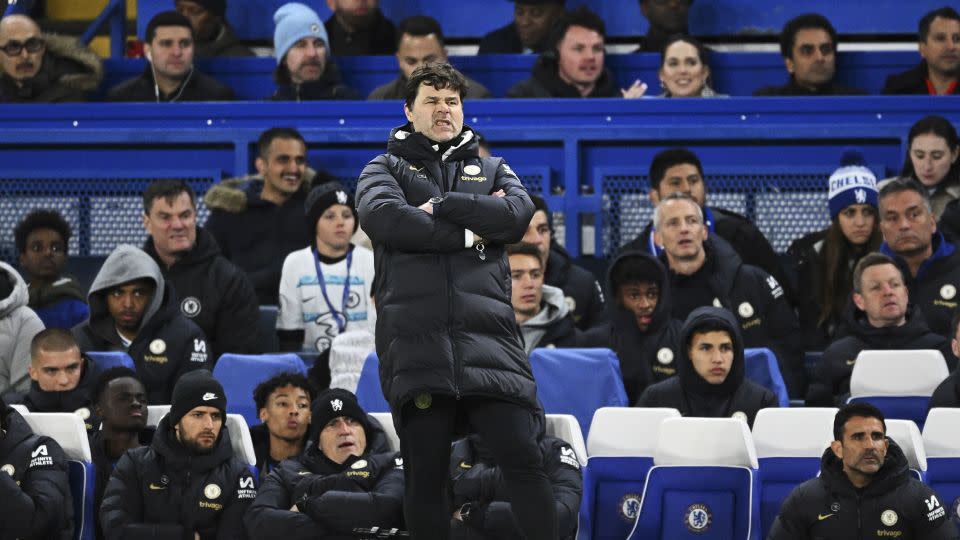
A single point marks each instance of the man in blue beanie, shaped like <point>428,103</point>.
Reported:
<point>214,35</point>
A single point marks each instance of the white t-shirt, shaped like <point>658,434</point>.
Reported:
<point>302,304</point>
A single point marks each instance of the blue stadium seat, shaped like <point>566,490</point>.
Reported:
<point>594,373</point>
<point>267,329</point>
<point>899,383</point>
<point>941,440</point>
<point>369,392</point>
<point>104,360</point>
<point>694,493</point>
<point>620,449</point>
<point>760,366</point>
<point>241,373</point>
<point>790,443</point>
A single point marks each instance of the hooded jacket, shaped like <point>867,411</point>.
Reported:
<point>645,357</point>
<point>328,86</point>
<point>196,86</point>
<point>552,326</point>
<point>580,288</point>
<point>893,505</point>
<point>445,323</point>
<point>60,304</point>
<point>34,484</point>
<point>911,81</point>
<point>167,344</point>
<point>215,294</point>
<point>476,479</point>
<point>832,383</point>
<point>18,325</point>
<point>692,395</point>
<point>332,498</point>
<point>225,43</point>
<point>546,83</point>
<point>163,491</point>
<point>934,288</point>
<point>69,72</point>
<point>255,234</point>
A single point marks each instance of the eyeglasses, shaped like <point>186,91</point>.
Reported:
<point>33,45</point>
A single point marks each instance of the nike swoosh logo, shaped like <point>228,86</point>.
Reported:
<point>851,362</point>
<point>303,473</point>
<point>305,300</point>
<point>465,465</point>
<point>821,517</point>
<point>155,487</point>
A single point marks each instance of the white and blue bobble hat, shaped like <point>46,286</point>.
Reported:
<point>293,22</point>
<point>853,183</point>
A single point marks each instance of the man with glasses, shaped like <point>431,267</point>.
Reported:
<point>43,69</point>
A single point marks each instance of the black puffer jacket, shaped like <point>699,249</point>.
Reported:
<point>104,464</point>
<point>832,384</point>
<point>580,288</point>
<point>76,400</point>
<point>893,505</point>
<point>34,484</point>
<point>477,480</point>
<point>645,357</point>
<point>161,491</point>
<point>445,323</point>
<point>692,395</point>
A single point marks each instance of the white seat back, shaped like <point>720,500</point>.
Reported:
<point>793,432</point>
<point>566,427</point>
<point>908,438</point>
<point>240,439</point>
<point>386,420</point>
<point>626,431</point>
<point>941,436</point>
<point>155,413</point>
<point>705,441</point>
<point>67,429</point>
<point>897,373</point>
<point>20,408</point>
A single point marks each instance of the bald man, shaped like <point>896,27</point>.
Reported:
<point>38,68</point>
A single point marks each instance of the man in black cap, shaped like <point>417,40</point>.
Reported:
<point>347,478</point>
<point>187,483</point>
<point>666,18</point>
<point>530,30</point>
<point>215,36</point>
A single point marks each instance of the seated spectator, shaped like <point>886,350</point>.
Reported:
<point>864,484</point>
<point>683,69</point>
<point>483,508</point>
<point>947,393</point>
<point>134,309</point>
<point>34,483</point>
<point>283,405</point>
<point>358,27</point>
<point>42,240</point>
<point>678,170</point>
<point>211,291</point>
<point>305,71</point>
<point>710,378</point>
<point>881,319</point>
<point>18,325</point>
<point>187,483</point>
<point>823,259</point>
<point>61,377</point>
<point>808,44</point>
<point>642,330</point>
<point>528,33</point>
<point>44,68</point>
<point>347,478</point>
<point>572,66</point>
<point>581,289</point>
<point>932,151</point>
<point>939,70</point>
<point>421,42</point>
<point>666,19</point>
<point>170,76</point>
<point>215,36</point>
<point>929,261</point>
<point>326,287</point>
<point>258,221</point>
<point>541,311</point>
<point>705,271</point>
<point>120,402</point>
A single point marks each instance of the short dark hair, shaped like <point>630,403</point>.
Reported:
<point>702,51</point>
<point>523,248</point>
<point>109,375</point>
<point>267,137</point>
<point>868,260</point>
<point>670,158</point>
<point>440,76</point>
<point>169,189</point>
<point>582,16</point>
<point>419,26</point>
<point>705,327</point>
<point>41,219</point>
<point>850,410</point>
<point>288,378</point>
<point>635,269</point>
<point>52,339</point>
<point>901,184</point>
<point>788,37</point>
<point>166,18</point>
<point>946,12</point>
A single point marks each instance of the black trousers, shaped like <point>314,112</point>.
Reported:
<point>510,432</point>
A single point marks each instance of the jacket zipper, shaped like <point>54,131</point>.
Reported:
<point>450,307</point>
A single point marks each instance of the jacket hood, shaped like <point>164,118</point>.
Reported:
<point>235,194</point>
<point>177,456</point>
<point>69,49</point>
<point>125,264</point>
<point>18,297</point>
<point>892,473</point>
<point>18,430</point>
<point>554,308</point>
<point>624,319</point>
<point>887,337</point>
<point>414,146</point>
<point>689,378</point>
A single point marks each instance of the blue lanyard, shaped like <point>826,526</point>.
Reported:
<point>655,250</point>
<point>339,317</point>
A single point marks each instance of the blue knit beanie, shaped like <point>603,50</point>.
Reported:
<point>293,22</point>
<point>852,184</point>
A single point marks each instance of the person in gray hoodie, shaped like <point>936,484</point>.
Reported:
<point>18,325</point>
<point>133,309</point>
<point>541,310</point>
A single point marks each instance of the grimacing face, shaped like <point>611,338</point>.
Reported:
<point>437,114</point>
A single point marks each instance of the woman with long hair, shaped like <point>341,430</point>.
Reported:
<point>684,71</point>
<point>932,151</point>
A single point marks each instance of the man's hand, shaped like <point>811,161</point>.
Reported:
<point>499,193</point>
<point>456,515</point>
<point>427,207</point>
<point>196,536</point>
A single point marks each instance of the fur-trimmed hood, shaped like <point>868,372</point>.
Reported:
<point>69,72</point>
<point>70,48</point>
<point>233,194</point>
